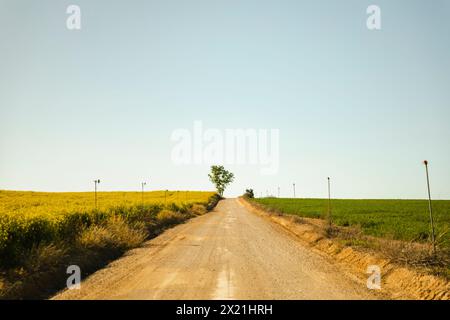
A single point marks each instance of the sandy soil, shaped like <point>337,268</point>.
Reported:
<point>229,253</point>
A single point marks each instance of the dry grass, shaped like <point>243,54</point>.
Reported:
<point>41,267</point>
<point>198,210</point>
<point>168,217</point>
<point>115,234</point>
<point>406,253</point>
<point>416,255</point>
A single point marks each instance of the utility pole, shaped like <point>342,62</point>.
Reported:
<point>329,202</point>
<point>142,186</point>
<point>430,208</point>
<point>294,188</point>
<point>278,192</point>
<point>95,191</point>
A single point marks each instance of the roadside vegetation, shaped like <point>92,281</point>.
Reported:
<point>41,234</point>
<point>400,229</point>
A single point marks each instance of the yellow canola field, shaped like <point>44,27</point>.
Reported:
<point>31,217</point>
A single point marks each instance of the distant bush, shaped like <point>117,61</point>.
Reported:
<point>249,193</point>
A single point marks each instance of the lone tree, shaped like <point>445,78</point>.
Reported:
<point>221,178</point>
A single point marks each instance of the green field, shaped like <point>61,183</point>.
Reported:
<point>393,219</point>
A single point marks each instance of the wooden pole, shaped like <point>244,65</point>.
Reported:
<point>430,208</point>
<point>329,202</point>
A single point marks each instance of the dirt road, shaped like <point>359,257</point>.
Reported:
<point>229,253</point>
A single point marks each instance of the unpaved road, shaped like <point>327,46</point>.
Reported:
<point>229,253</point>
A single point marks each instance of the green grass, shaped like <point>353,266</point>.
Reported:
<point>394,219</point>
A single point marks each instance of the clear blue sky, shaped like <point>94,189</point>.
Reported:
<point>364,107</point>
